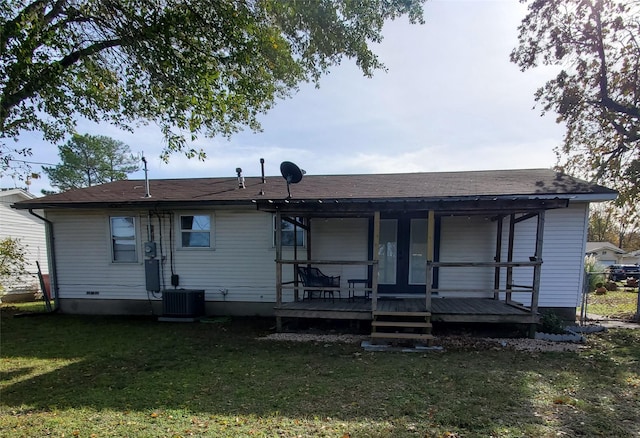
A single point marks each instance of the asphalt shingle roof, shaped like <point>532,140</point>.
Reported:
<point>432,185</point>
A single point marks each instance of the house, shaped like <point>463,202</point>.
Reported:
<point>632,258</point>
<point>30,230</point>
<point>494,246</point>
<point>606,253</point>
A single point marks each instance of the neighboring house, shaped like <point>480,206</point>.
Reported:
<point>513,237</point>
<point>30,230</point>
<point>606,253</point>
<point>631,258</point>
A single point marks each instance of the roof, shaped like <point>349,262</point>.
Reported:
<point>525,184</point>
<point>16,192</point>
<point>596,246</point>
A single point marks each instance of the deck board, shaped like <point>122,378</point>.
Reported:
<point>442,309</point>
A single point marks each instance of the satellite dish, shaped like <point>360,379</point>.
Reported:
<point>291,173</point>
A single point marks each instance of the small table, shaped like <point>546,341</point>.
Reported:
<point>352,288</point>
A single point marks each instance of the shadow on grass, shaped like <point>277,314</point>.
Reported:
<point>126,364</point>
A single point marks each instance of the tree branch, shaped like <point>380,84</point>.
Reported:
<point>10,27</point>
<point>31,87</point>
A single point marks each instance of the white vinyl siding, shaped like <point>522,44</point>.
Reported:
<point>242,268</point>
<point>466,239</point>
<point>84,259</point>
<point>341,239</point>
<point>473,239</point>
<point>20,224</point>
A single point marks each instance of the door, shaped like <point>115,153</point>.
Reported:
<point>402,255</point>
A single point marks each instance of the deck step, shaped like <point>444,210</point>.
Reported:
<point>401,324</point>
<point>418,336</point>
<point>391,313</point>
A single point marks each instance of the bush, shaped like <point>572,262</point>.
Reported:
<point>551,323</point>
<point>13,260</point>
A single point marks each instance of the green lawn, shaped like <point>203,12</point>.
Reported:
<point>106,376</point>
<point>620,304</point>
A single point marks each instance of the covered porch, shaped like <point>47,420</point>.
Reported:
<point>447,291</point>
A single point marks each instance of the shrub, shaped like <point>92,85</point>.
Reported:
<point>551,323</point>
<point>13,260</point>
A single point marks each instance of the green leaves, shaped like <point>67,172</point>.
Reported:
<point>191,66</point>
<point>597,93</point>
<point>89,160</point>
<point>13,259</point>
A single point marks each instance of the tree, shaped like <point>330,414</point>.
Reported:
<point>13,260</point>
<point>601,224</point>
<point>191,66</point>
<point>91,159</point>
<point>596,44</point>
<point>608,223</point>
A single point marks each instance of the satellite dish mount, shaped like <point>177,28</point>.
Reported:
<point>291,173</point>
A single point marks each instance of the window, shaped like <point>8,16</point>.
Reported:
<point>418,250</point>
<point>123,239</point>
<point>195,231</point>
<point>388,251</point>
<point>289,235</point>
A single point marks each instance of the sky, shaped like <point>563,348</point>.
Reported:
<point>450,100</point>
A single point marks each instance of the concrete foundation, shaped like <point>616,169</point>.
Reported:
<point>212,308</point>
<point>567,314</point>
<point>154,307</point>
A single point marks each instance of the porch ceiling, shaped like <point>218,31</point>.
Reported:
<point>444,206</point>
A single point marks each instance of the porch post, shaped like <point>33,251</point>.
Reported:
<point>374,270</point>
<point>537,269</point>
<point>498,257</point>
<point>512,230</point>
<point>308,222</point>
<point>278,267</point>
<point>295,257</point>
<point>431,233</point>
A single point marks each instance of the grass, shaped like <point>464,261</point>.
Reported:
<point>620,304</point>
<point>65,375</point>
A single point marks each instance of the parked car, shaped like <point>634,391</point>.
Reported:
<point>622,272</point>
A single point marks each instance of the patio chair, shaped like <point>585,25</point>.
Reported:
<point>314,278</point>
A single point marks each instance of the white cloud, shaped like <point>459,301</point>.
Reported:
<point>451,100</point>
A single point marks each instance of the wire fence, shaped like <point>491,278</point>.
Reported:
<point>589,286</point>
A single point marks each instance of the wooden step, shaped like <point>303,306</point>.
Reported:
<point>418,336</point>
<point>401,324</point>
<point>385,313</point>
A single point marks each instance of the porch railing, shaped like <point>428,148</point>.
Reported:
<point>296,286</point>
<point>509,289</point>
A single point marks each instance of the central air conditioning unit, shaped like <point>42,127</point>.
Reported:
<point>182,303</point>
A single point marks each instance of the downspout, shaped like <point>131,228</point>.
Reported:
<point>51,248</point>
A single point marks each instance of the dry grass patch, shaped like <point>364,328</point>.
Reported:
<point>620,304</point>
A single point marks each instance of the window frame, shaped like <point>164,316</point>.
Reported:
<point>299,230</point>
<point>180,231</point>
<point>135,239</point>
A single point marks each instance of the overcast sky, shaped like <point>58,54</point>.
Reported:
<point>450,100</point>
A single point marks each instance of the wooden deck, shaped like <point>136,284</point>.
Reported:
<point>442,309</point>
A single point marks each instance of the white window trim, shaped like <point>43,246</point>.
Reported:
<point>136,225</point>
<point>212,228</point>
<point>285,247</point>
